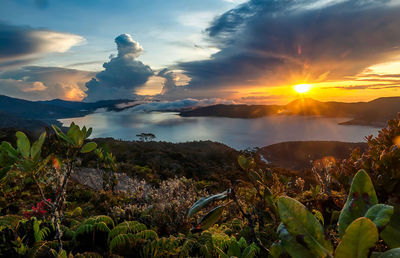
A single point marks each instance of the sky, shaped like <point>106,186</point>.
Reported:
<point>232,51</point>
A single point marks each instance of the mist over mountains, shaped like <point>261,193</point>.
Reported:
<point>19,113</point>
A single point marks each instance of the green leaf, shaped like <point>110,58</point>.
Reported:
<point>62,135</point>
<point>221,253</point>
<point>88,133</point>
<point>380,214</point>
<point>289,244</point>
<point>23,144</point>
<point>245,163</point>
<point>37,146</point>
<point>393,253</point>
<point>276,249</point>
<point>204,201</point>
<point>360,236</point>
<point>300,223</point>
<point>76,135</point>
<point>362,196</point>
<point>249,252</point>
<point>319,216</point>
<point>391,233</point>
<point>88,147</point>
<point>210,218</point>
<point>13,153</point>
<point>234,250</point>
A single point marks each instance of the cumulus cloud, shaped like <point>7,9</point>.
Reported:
<point>44,83</point>
<point>20,45</point>
<point>274,43</point>
<point>122,75</point>
<point>183,104</point>
<point>169,84</point>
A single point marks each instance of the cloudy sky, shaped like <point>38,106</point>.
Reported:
<point>244,51</point>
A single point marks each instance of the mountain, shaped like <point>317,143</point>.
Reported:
<point>83,106</point>
<point>51,109</point>
<point>33,110</point>
<point>374,113</point>
<point>24,114</point>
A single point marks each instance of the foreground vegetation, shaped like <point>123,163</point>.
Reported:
<point>342,209</point>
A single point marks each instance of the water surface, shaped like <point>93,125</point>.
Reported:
<point>235,132</point>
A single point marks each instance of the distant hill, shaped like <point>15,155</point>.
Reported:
<point>83,106</point>
<point>25,114</point>
<point>299,155</point>
<point>34,110</point>
<point>374,113</point>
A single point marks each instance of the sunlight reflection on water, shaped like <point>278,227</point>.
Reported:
<point>235,132</point>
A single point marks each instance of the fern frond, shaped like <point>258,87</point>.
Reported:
<point>84,229</point>
<point>10,221</point>
<point>43,233</point>
<point>42,249</point>
<point>126,227</point>
<point>187,247</point>
<point>122,242</point>
<point>146,235</point>
<point>88,255</point>
<point>105,219</point>
<point>101,226</point>
<point>67,232</point>
<point>163,247</point>
<point>100,223</point>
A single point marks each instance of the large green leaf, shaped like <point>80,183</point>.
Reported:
<point>360,236</point>
<point>88,133</point>
<point>62,135</point>
<point>76,135</point>
<point>204,201</point>
<point>380,214</point>
<point>210,218</point>
<point>393,253</point>
<point>13,153</point>
<point>391,233</point>
<point>23,144</point>
<point>362,196</point>
<point>249,252</point>
<point>88,147</point>
<point>300,223</point>
<point>234,250</point>
<point>245,163</point>
<point>290,245</point>
<point>37,146</point>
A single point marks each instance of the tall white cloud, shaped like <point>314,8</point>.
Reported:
<point>122,75</point>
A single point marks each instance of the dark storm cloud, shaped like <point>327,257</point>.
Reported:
<point>122,75</point>
<point>277,42</point>
<point>20,45</point>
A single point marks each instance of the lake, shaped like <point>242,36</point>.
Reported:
<point>235,132</point>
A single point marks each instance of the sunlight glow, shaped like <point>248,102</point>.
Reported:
<point>302,88</point>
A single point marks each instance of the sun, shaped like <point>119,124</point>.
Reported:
<point>302,88</point>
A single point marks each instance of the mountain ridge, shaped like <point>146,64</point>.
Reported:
<point>373,113</point>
